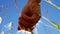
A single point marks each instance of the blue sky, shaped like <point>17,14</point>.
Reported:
<point>12,15</point>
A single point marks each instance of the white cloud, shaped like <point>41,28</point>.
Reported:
<point>9,26</point>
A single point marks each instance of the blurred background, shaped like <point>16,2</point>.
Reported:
<point>10,11</point>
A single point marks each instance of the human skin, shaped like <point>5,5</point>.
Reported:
<point>30,15</point>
